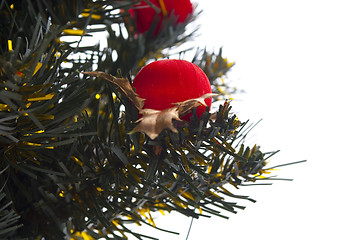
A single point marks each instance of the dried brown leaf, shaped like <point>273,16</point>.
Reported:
<point>154,121</point>
<point>185,106</point>
<point>124,86</point>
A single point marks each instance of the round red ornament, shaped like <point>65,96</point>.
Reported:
<point>145,14</point>
<point>164,82</point>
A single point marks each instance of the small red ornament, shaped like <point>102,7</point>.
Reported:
<point>145,14</point>
<point>164,82</point>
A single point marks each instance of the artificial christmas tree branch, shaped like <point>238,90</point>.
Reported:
<point>69,167</point>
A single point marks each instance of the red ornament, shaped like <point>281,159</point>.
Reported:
<point>145,14</point>
<point>169,81</point>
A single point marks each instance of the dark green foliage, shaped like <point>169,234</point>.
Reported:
<point>215,66</point>
<point>68,163</point>
<point>8,217</point>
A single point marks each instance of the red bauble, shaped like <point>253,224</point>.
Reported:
<point>165,82</point>
<point>145,14</point>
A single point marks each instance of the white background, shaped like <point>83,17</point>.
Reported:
<point>298,62</point>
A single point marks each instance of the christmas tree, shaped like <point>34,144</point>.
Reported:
<point>95,139</point>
